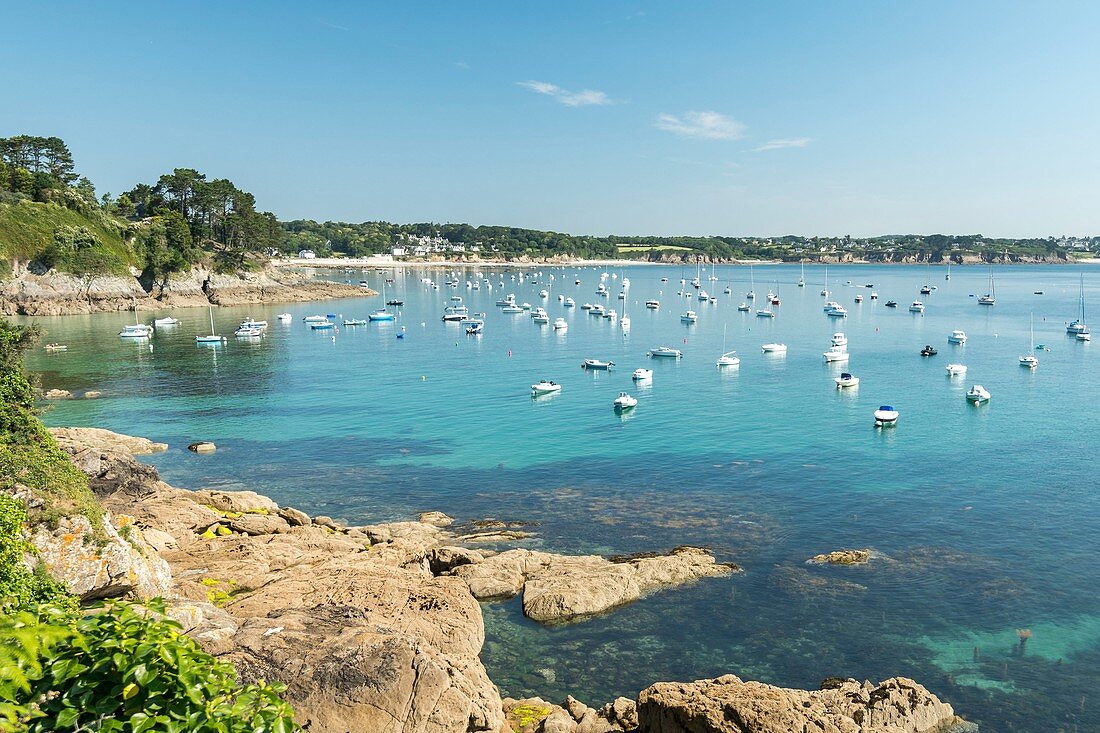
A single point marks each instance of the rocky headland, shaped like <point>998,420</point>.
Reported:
<point>53,293</point>
<point>379,627</point>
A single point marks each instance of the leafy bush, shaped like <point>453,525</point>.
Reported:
<point>121,668</point>
<point>19,585</point>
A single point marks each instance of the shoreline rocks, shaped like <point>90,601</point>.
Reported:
<point>379,627</point>
<point>729,705</point>
<point>55,294</point>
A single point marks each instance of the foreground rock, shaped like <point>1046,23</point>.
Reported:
<point>564,587</point>
<point>729,705</point>
<point>377,628</point>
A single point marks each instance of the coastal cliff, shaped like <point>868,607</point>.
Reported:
<point>378,627</point>
<point>54,293</point>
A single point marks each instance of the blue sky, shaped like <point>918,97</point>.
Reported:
<point>603,117</point>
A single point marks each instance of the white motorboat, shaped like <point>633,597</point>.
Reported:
<point>874,295</point>
<point>507,300</point>
<point>744,308</point>
<point>284,318</point>
<point>525,306</point>
<point>729,359</point>
<point>586,307</point>
<point>55,347</point>
<point>545,387</point>
<point>836,353</point>
<point>540,318</point>
<point>774,348</point>
<point>762,313</point>
<point>642,375</point>
<point>977,394</point>
<point>839,339</point>
<point>597,364</point>
<point>560,324</point>
<point>248,332</point>
<point>859,298</point>
<point>473,328</point>
<point>666,352</point>
<point>653,304</point>
<point>624,323</point>
<point>596,310</point>
<point>136,331</point>
<point>511,309</point>
<point>569,303</point>
<point>916,307</point>
<point>689,317</point>
<point>703,297</point>
<point>957,337</point>
<point>456,298</point>
<point>886,416</point>
<point>625,402</point>
<point>846,380</point>
<point>323,326</point>
<point>314,319</point>
<point>162,322</point>
<point>1084,336</point>
<point>612,315</point>
<point>544,293</point>
<point>956,370</point>
<point>253,323</point>
<point>836,311</point>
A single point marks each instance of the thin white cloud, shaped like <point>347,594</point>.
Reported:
<point>582,98</point>
<point>462,64</point>
<point>702,125</point>
<point>792,142</point>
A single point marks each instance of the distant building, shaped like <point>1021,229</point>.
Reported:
<point>397,251</point>
<point>307,254</point>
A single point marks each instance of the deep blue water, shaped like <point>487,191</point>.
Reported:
<point>985,518</point>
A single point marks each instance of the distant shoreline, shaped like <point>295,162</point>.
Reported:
<point>378,263</point>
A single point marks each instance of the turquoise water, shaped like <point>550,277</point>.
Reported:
<point>985,518</point>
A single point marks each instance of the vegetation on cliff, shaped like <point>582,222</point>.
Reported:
<point>116,667</point>
<point>50,217</point>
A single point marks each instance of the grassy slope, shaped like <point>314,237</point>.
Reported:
<point>27,227</point>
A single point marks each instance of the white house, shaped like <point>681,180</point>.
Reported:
<point>398,251</point>
<point>307,254</point>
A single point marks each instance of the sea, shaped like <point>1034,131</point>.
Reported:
<point>983,520</point>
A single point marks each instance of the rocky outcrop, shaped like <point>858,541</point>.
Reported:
<point>565,587</point>
<point>118,562</point>
<point>54,293</point>
<point>377,628</point>
<point>842,557</point>
<point>729,705</point>
<point>77,440</point>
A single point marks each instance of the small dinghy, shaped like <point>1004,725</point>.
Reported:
<point>928,350</point>
<point>597,364</point>
<point>642,375</point>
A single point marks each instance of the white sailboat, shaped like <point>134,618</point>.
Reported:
<point>213,338</point>
<point>991,296</point>
<point>728,358</point>
<point>825,290</point>
<point>1028,360</point>
<point>802,276</point>
<point>1078,326</point>
<point>751,295</point>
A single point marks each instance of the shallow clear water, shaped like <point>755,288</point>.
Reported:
<point>986,517</point>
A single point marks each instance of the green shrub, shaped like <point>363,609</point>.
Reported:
<point>19,585</point>
<point>121,668</point>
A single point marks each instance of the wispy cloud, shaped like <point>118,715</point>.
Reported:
<point>582,98</point>
<point>792,142</point>
<point>335,26</point>
<point>702,125</point>
<point>462,64</point>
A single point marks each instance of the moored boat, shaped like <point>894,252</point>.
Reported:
<point>666,352</point>
<point>846,380</point>
<point>625,402</point>
<point>957,337</point>
<point>597,364</point>
<point>886,416</point>
<point>545,387</point>
<point>977,394</point>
